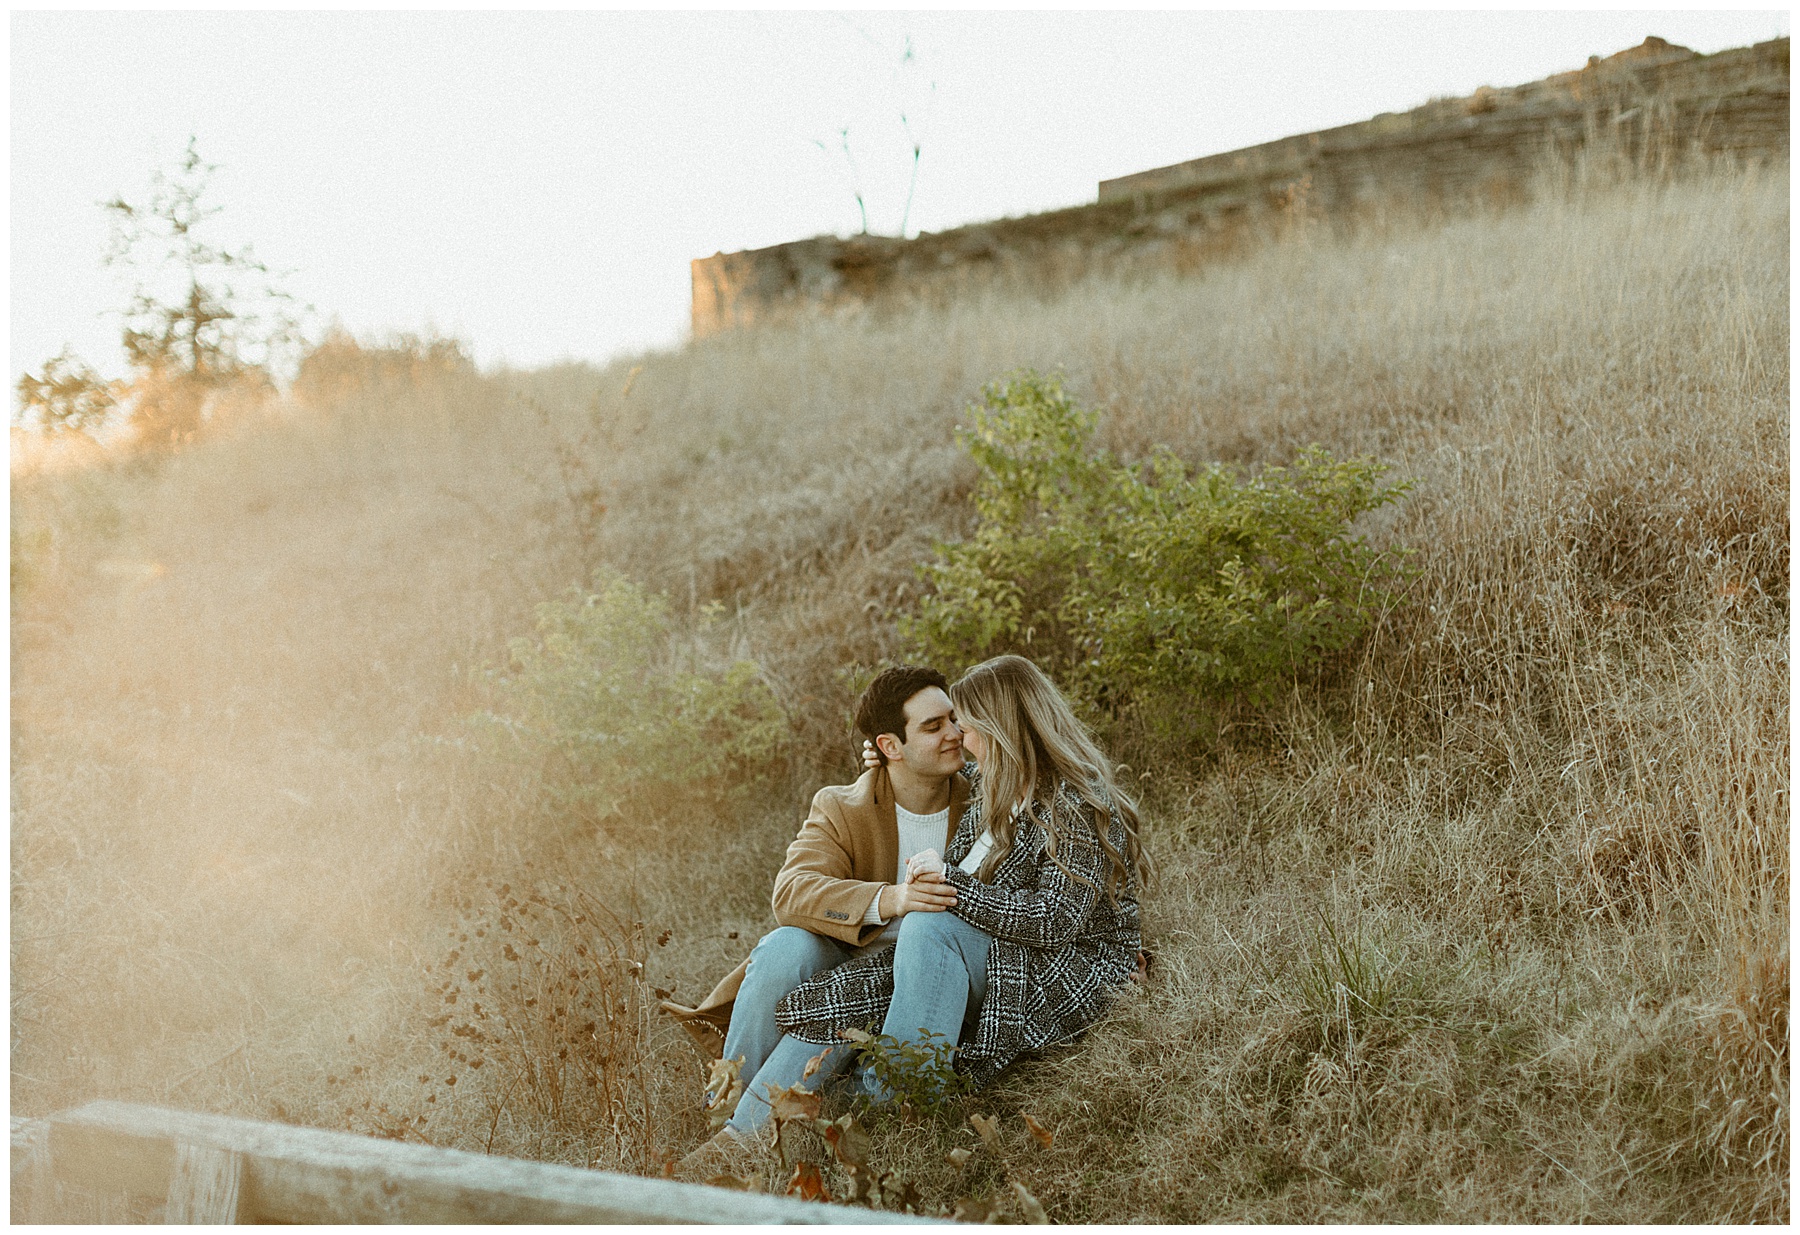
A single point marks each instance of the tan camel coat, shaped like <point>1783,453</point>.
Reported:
<point>845,853</point>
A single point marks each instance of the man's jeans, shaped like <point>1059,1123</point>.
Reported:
<point>940,976</point>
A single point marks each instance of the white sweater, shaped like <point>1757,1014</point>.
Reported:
<point>917,834</point>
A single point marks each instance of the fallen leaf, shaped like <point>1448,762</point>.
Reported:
<point>725,1105</point>
<point>988,1126</point>
<point>723,1090</point>
<point>889,1190</point>
<point>813,1064</point>
<point>862,1186</point>
<point>856,1035</point>
<point>1029,1206</point>
<point>848,1142</point>
<point>737,1183</point>
<point>970,1210</point>
<point>900,1195</point>
<point>1044,1136</point>
<point>663,938</point>
<point>959,1157</point>
<point>721,1072</point>
<point>807,1184</point>
<point>793,1102</point>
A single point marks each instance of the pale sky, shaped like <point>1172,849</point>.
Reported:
<point>536,183</point>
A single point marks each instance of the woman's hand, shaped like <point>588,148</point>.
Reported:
<point>928,894</point>
<point>920,865</point>
<point>871,756</point>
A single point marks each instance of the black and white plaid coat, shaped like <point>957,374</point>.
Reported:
<point>1061,947</point>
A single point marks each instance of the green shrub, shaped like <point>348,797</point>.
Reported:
<point>631,714</point>
<point>1143,587</point>
<point>918,1074</point>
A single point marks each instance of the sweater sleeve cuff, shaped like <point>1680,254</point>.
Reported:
<point>872,915</point>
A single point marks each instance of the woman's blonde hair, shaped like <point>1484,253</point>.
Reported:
<point>1035,740</point>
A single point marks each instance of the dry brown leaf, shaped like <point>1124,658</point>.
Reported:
<point>1029,1206</point>
<point>862,1186</point>
<point>848,1141</point>
<point>725,1105</point>
<point>862,1037</point>
<point>970,1210</point>
<point>737,1183</point>
<point>1044,1136</point>
<point>988,1127</point>
<point>793,1102</point>
<point>808,1184</point>
<point>899,1194</point>
<point>959,1157</point>
<point>722,1072</point>
<point>813,1064</point>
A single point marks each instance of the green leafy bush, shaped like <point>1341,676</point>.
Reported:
<point>918,1074</point>
<point>629,713</point>
<point>1144,587</point>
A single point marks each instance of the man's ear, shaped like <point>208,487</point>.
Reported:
<point>889,745</point>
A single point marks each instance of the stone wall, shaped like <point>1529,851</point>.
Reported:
<point>1654,104</point>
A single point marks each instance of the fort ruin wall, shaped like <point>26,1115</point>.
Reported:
<point>1655,104</point>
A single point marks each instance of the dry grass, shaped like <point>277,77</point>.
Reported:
<point>1488,922</point>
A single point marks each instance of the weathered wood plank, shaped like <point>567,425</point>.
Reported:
<point>293,1174</point>
<point>25,1135</point>
<point>204,1190</point>
<point>30,1138</point>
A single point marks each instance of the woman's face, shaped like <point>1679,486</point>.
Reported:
<point>974,744</point>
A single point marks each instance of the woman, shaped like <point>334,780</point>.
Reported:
<point>1046,865</point>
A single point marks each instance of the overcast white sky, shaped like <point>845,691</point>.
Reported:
<point>537,183</point>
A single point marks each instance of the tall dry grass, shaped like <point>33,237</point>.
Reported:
<point>1486,922</point>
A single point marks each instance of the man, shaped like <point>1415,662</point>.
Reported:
<point>843,888</point>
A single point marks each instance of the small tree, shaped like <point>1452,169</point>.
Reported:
<point>68,397</point>
<point>200,316</point>
<point>210,312</point>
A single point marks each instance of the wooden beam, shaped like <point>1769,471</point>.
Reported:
<point>30,1138</point>
<point>25,1135</point>
<point>290,1174</point>
<point>207,1186</point>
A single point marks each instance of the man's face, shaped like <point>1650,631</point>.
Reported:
<point>933,745</point>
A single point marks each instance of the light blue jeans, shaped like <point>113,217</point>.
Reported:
<point>940,976</point>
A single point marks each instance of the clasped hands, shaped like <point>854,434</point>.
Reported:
<point>925,890</point>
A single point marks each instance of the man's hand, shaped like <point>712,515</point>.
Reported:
<point>929,894</point>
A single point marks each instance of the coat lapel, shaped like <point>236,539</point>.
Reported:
<point>883,837</point>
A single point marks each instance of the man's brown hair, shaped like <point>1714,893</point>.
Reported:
<point>882,706</point>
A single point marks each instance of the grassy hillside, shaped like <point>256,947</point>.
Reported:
<point>1486,922</point>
